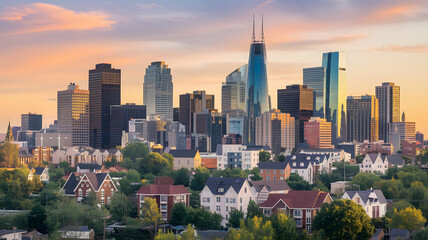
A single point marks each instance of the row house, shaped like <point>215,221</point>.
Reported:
<point>80,186</point>
<point>76,155</point>
<point>166,195</point>
<point>42,154</point>
<point>372,201</point>
<point>380,163</point>
<point>265,187</point>
<point>42,172</point>
<point>337,155</point>
<point>24,156</point>
<point>274,170</point>
<point>302,206</point>
<point>223,195</point>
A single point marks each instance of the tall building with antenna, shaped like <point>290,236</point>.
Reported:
<point>257,97</point>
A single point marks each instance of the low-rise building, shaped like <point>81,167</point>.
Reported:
<point>274,170</point>
<point>42,154</point>
<point>12,234</point>
<point>337,155</point>
<point>77,232</point>
<point>223,195</point>
<point>379,146</point>
<point>338,187</point>
<point>190,159</point>
<point>409,148</point>
<point>372,201</point>
<point>42,172</point>
<point>239,156</point>
<point>166,196</point>
<point>265,187</point>
<point>303,206</point>
<point>80,185</point>
<point>88,167</point>
<point>374,163</point>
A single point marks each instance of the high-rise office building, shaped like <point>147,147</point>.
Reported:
<point>297,100</point>
<point>213,125</point>
<point>104,91</point>
<point>389,107</point>
<point>318,133</point>
<point>176,114</point>
<point>257,94</point>
<point>73,114</point>
<point>335,94</point>
<point>191,103</point>
<point>314,78</point>
<point>269,131</point>
<point>420,137</point>
<point>119,120</point>
<point>158,90</point>
<point>233,90</point>
<point>362,118</point>
<point>400,131</point>
<point>31,122</point>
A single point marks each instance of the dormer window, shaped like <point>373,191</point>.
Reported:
<point>220,189</point>
<point>294,157</point>
<point>302,164</point>
<point>294,164</point>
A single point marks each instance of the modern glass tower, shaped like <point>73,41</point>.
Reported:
<point>314,78</point>
<point>233,90</point>
<point>335,94</point>
<point>257,87</point>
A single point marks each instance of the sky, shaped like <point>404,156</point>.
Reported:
<point>46,45</point>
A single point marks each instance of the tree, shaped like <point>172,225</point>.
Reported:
<point>296,182</point>
<point>343,219</point>
<point>135,150</point>
<point>260,229</point>
<point>279,158</point>
<point>327,179</point>
<point>350,170</point>
<point>203,219</point>
<point>182,177</point>
<point>37,218</point>
<point>9,154</point>
<point>178,213</point>
<point>194,199</point>
<point>150,213</point>
<point>133,176</point>
<point>365,180</point>
<point>253,210</point>
<point>234,218</point>
<point>396,207</point>
<point>66,166</point>
<point>120,207</point>
<point>189,233</point>
<point>359,158</point>
<point>253,173</point>
<point>91,199</point>
<point>199,179</point>
<point>417,193</point>
<point>169,158</point>
<point>422,234</point>
<point>284,226</point>
<point>167,236</point>
<point>392,189</point>
<point>409,218</point>
<point>152,163</point>
<point>264,156</point>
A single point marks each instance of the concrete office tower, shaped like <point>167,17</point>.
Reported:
<point>389,107</point>
<point>318,133</point>
<point>335,94</point>
<point>297,100</point>
<point>420,137</point>
<point>233,90</point>
<point>31,122</point>
<point>191,103</point>
<point>400,131</point>
<point>257,94</point>
<point>314,78</point>
<point>363,118</point>
<point>73,114</point>
<point>270,132</point>
<point>158,90</point>
<point>212,125</point>
<point>104,91</point>
<point>119,120</point>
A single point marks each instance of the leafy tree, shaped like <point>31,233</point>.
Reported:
<point>253,210</point>
<point>230,173</point>
<point>37,218</point>
<point>127,163</point>
<point>418,193</point>
<point>152,163</point>
<point>284,226</point>
<point>327,179</point>
<point>392,189</point>
<point>253,173</point>
<point>408,218</point>
<point>150,213</point>
<point>203,219</point>
<point>178,213</point>
<point>279,158</point>
<point>199,179</point>
<point>396,207</point>
<point>380,223</point>
<point>189,233</point>
<point>9,154</point>
<point>234,218</point>
<point>66,166</point>
<point>194,199</point>
<point>16,187</point>
<point>264,156</point>
<point>167,236</point>
<point>91,199</point>
<point>365,180</point>
<point>133,176</point>
<point>120,206</point>
<point>359,159</point>
<point>135,150</point>
<point>391,173</point>
<point>343,219</point>
<point>296,182</point>
<point>169,158</point>
<point>350,170</point>
<point>319,186</point>
<point>182,177</point>
<point>260,229</point>
<point>422,234</point>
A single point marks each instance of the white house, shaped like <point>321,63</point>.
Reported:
<point>373,201</point>
<point>374,163</point>
<point>337,155</point>
<point>238,156</point>
<point>42,172</point>
<point>222,195</point>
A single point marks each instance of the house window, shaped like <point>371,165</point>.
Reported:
<point>308,220</point>
<point>274,177</point>
<point>227,208</point>
<point>240,200</point>
<point>227,200</point>
<point>163,198</point>
<point>245,190</point>
<point>308,228</point>
<point>217,208</point>
<point>108,200</point>
<point>266,212</point>
<point>282,171</point>
<point>112,191</point>
<point>267,171</point>
<point>164,215</point>
<point>218,199</point>
<point>207,208</point>
<point>298,221</point>
<point>80,193</point>
<point>102,192</point>
<point>297,213</point>
<point>267,177</point>
<point>232,200</point>
<point>205,199</point>
<point>261,171</point>
<point>102,200</point>
<point>88,191</point>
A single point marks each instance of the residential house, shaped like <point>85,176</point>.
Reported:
<point>116,168</point>
<point>109,154</point>
<point>302,165</point>
<point>265,187</point>
<point>338,187</point>
<point>372,201</point>
<point>12,234</point>
<point>274,170</point>
<point>88,167</point>
<point>374,163</point>
<point>337,155</point>
<point>223,195</point>
<point>77,232</point>
<point>399,234</point>
<point>25,157</point>
<point>300,205</point>
<point>81,185</point>
<point>190,159</point>
<point>395,160</point>
<point>42,154</point>
<point>42,172</point>
<point>166,196</point>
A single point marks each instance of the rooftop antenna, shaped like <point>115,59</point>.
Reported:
<point>254,36</point>
<point>263,35</point>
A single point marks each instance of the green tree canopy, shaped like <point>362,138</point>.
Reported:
<point>178,213</point>
<point>253,210</point>
<point>284,226</point>
<point>408,218</point>
<point>135,150</point>
<point>203,219</point>
<point>9,154</point>
<point>365,180</point>
<point>120,206</point>
<point>199,179</point>
<point>182,177</point>
<point>343,219</point>
<point>264,156</point>
<point>235,218</point>
<point>296,182</point>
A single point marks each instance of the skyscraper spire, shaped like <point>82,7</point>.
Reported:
<point>263,35</point>
<point>254,35</point>
<point>9,135</point>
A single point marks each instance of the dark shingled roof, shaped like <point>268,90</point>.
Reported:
<point>326,150</point>
<point>297,199</point>
<point>90,166</point>
<point>399,233</point>
<point>94,178</point>
<point>272,165</point>
<point>271,185</point>
<point>373,157</point>
<point>38,170</point>
<point>183,153</point>
<point>365,195</point>
<point>395,160</point>
<point>259,148</point>
<point>5,232</point>
<point>215,183</point>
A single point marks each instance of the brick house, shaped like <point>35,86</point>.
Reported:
<point>166,196</point>
<point>274,170</point>
<point>81,185</point>
<point>300,205</point>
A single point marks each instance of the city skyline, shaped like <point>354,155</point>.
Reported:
<point>372,55</point>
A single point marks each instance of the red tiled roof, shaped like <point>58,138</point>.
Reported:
<point>156,189</point>
<point>297,199</point>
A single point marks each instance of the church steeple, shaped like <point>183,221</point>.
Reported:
<point>403,117</point>
<point>9,135</point>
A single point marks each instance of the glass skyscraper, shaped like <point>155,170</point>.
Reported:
<point>314,78</point>
<point>257,87</point>
<point>335,94</point>
<point>233,90</point>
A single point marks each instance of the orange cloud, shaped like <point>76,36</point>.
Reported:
<point>41,17</point>
<point>392,13</point>
<point>405,48</point>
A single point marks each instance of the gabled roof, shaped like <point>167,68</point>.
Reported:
<point>297,199</point>
<point>183,153</point>
<point>302,160</point>
<point>365,195</point>
<point>71,183</point>
<point>396,232</point>
<point>325,150</point>
<point>223,184</point>
<point>395,160</point>
<point>272,165</point>
<point>271,185</point>
<point>38,170</point>
<point>162,189</point>
<point>90,166</point>
<point>95,179</point>
<point>373,157</point>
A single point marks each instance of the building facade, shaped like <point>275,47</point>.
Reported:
<point>104,91</point>
<point>389,107</point>
<point>213,125</point>
<point>372,201</point>
<point>158,90</point>
<point>119,120</point>
<point>362,118</point>
<point>400,131</point>
<point>31,122</point>
<point>318,133</point>
<point>190,103</point>
<point>314,78</point>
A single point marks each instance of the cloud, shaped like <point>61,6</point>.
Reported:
<point>405,48</point>
<point>264,3</point>
<point>300,44</point>
<point>41,17</point>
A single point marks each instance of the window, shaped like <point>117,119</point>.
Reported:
<point>164,215</point>
<point>218,199</point>
<point>102,200</point>
<point>282,178</point>
<point>112,191</point>
<point>80,193</point>
<point>102,192</point>
<point>308,228</point>
<point>308,220</point>
<point>298,221</point>
<point>267,171</point>
<point>297,213</point>
<point>217,208</point>
<point>163,198</point>
<point>227,208</point>
<point>245,190</point>
<point>88,191</point>
<point>240,200</point>
<point>108,200</point>
<point>205,199</point>
<point>274,171</point>
<point>267,178</point>
<point>261,171</point>
<point>266,212</point>
<point>232,200</point>
<point>227,200</point>
<point>282,171</point>
<point>207,208</point>
<point>274,177</point>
